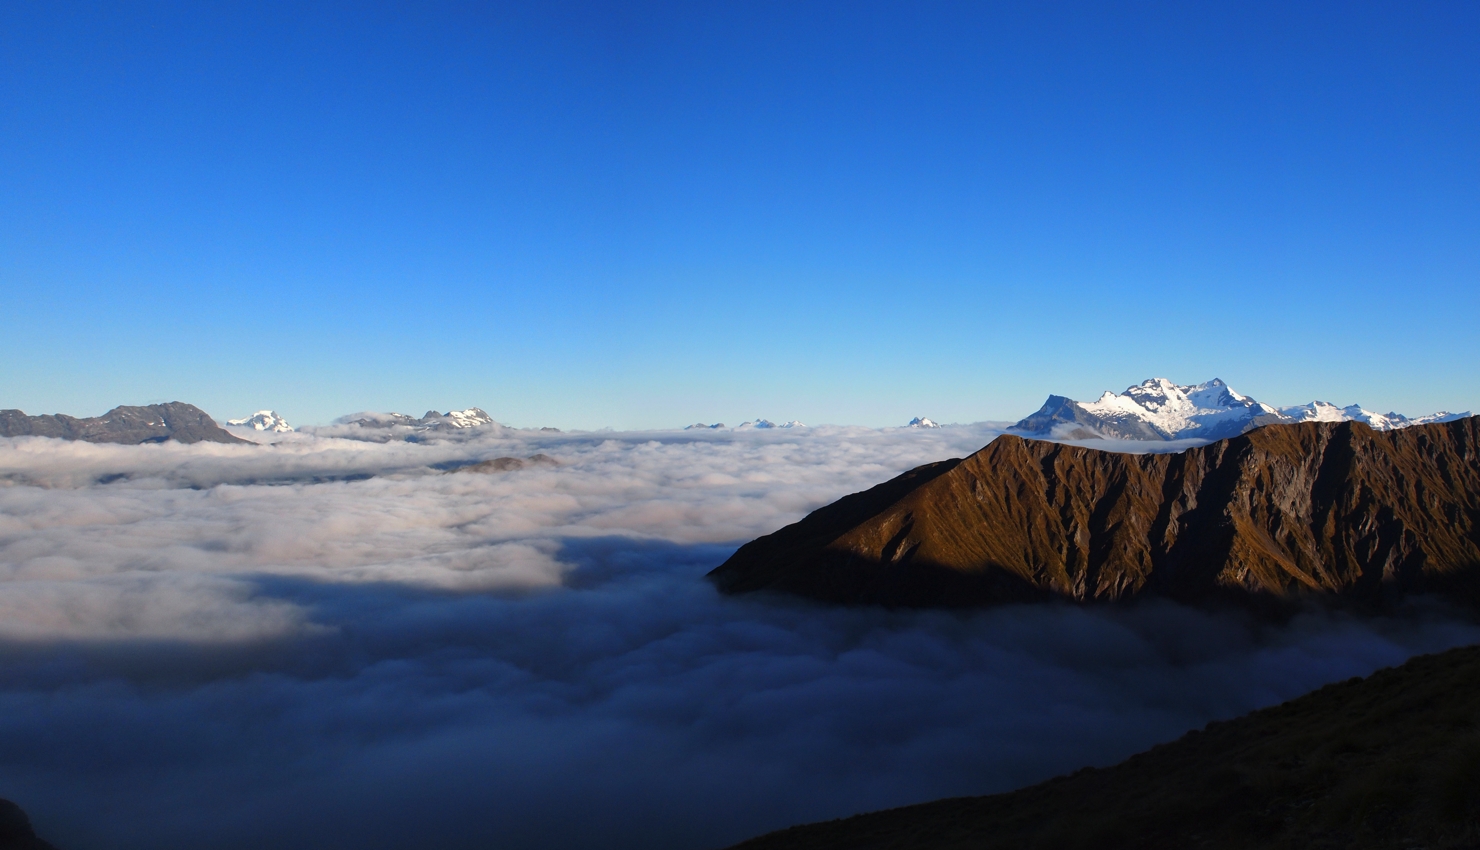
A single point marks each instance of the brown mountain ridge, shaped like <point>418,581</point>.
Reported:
<point>1279,512</point>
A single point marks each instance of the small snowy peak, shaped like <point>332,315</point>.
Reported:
<point>1441,416</point>
<point>1317,411</point>
<point>376,419</point>
<point>700,426</point>
<point>766,424</point>
<point>263,420</point>
<point>470,418</point>
<point>1322,411</point>
<point>922,422</point>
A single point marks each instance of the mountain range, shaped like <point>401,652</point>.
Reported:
<point>749,425</point>
<point>473,417</point>
<point>1158,409</point>
<point>126,424</point>
<point>1315,508</point>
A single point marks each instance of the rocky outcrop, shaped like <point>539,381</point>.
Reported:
<point>154,423</point>
<point>1390,761</point>
<point>508,464</point>
<point>1323,508</point>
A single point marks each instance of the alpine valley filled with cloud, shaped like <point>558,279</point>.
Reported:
<point>652,425</point>
<point>443,631</point>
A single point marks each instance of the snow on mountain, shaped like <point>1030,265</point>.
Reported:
<point>1158,409</point>
<point>921,422</point>
<point>1441,416</point>
<point>433,420</point>
<point>1320,411</point>
<point>701,426</point>
<point>470,418</point>
<point>763,424</point>
<point>263,420</point>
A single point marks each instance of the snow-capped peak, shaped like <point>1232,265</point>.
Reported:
<point>922,422</point>
<point>263,420</point>
<point>1172,409</point>
<point>1158,409</point>
<point>470,418</point>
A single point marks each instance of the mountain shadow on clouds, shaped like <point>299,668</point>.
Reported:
<point>668,715</point>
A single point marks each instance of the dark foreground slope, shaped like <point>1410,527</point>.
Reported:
<point>1392,760</point>
<point>1324,508</point>
<point>153,423</point>
<point>15,830</point>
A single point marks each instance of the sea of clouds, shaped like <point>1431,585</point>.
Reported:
<point>329,642</point>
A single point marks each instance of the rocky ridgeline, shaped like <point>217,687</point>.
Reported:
<point>154,423</point>
<point>1316,508</point>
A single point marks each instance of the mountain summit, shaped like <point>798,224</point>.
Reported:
<point>1158,409</point>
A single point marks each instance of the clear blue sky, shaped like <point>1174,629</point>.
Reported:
<point>643,215</point>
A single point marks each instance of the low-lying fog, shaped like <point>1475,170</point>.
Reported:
<point>334,643</point>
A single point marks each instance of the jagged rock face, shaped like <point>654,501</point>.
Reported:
<point>126,424</point>
<point>1318,507</point>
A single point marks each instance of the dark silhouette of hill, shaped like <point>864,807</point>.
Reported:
<point>1390,761</point>
<point>15,830</point>
<point>1282,511</point>
<point>153,423</point>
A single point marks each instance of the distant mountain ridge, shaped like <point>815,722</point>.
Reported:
<point>129,425</point>
<point>749,425</point>
<point>1157,409</point>
<point>473,417</point>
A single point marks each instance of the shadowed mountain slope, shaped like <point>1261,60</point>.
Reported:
<point>1330,508</point>
<point>1392,760</point>
<point>15,830</point>
<point>153,423</point>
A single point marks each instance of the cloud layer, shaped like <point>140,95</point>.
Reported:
<point>333,643</point>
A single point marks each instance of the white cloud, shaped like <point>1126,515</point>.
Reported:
<point>202,520</point>
<point>191,656</point>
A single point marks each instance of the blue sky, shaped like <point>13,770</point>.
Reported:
<point>643,215</point>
